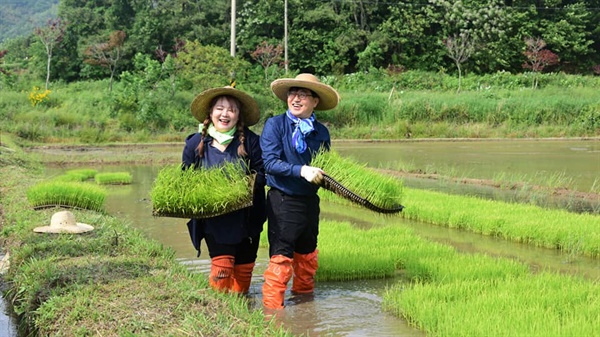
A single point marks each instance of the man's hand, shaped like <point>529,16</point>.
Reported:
<point>312,174</point>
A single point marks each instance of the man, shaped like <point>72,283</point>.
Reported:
<point>288,142</point>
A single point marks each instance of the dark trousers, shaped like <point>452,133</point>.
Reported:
<point>243,252</point>
<point>293,223</point>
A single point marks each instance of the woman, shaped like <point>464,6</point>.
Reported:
<point>232,238</point>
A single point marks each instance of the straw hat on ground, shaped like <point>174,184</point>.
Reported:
<point>64,222</point>
<point>249,112</point>
<point>328,97</point>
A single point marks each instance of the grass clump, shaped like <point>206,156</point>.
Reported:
<point>201,193</point>
<point>381,190</point>
<point>113,178</point>
<point>66,194</point>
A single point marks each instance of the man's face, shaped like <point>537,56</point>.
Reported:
<point>301,102</point>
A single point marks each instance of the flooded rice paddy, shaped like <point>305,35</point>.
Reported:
<point>354,308</point>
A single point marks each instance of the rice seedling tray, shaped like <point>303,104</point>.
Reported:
<point>201,193</point>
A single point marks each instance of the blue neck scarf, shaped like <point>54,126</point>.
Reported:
<point>303,127</point>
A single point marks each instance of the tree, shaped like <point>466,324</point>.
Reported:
<point>2,70</point>
<point>51,36</point>
<point>459,47</point>
<point>168,63</point>
<point>538,58</point>
<point>107,54</point>
<point>267,55</point>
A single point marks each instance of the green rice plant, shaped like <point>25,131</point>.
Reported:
<point>346,253</point>
<point>76,175</point>
<point>70,177</point>
<point>113,178</point>
<point>69,194</point>
<point>201,193</point>
<point>85,172</point>
<point>528,224</point>
<point>525,305</point>
<point>381,190</point>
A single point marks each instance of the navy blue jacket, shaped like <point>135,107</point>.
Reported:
<point>281,159</point>
<point>233,227</point>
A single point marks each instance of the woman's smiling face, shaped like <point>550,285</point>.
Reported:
<point>225,114</point>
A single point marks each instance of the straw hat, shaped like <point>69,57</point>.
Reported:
<point>248,111</point>
<point>328,97</point>
<point>64,222</point>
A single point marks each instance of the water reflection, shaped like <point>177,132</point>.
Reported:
<point>578,160</point>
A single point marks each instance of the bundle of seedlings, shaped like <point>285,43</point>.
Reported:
<point>76,175</point>
<point>201,193</point>
<point>113,178</point>
<point>355,182</point>
<point>66,194</point>
<point>87,173</point>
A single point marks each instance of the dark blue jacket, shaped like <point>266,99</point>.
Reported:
<point>283,162</point>
<point>233,227</point>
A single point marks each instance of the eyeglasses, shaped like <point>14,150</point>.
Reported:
<point>301,95</point>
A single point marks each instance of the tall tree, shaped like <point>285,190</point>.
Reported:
<point>268,55</point>
<point>538,57</point>
<point>107,54</point>
<point>460,48</point>
<point>51,35</point>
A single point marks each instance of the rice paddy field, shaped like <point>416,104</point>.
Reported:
<point>432,286</point>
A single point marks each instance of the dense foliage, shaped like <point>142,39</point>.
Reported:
<point>324,37</point>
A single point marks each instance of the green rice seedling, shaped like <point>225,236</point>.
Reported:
<point>525,305</point>
<point>516,222</point>
<point>201,193</point>
<point>73,177</point>
<point>346,253</point>
<point>381,190</point>
<point>69,194</point>
<point>113,178</point>
<point>86,172</point>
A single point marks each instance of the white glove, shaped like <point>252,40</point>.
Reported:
<point>312,174</point>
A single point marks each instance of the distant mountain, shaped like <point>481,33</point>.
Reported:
<point>20,17</point>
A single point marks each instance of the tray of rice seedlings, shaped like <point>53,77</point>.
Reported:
<point>201,193</point>
<point>86,173</point>
<point>113,178</point>
<point>76,175</point>
<point>355,182</point>
<point>66,194</point>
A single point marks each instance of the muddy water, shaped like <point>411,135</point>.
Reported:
<point>354,308</point>
<point>576,159</point>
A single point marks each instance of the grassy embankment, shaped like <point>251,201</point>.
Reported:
<point>372,106</point>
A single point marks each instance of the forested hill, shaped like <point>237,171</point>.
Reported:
<point>20,17</point>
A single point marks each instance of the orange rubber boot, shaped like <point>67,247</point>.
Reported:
<point>305,268</point>
<point>242,275</point>
<point>278,274</point>
<point>221,273</point>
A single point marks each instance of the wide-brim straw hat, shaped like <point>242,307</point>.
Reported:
<point>249,112</point>
<point>328,97</point>
<point>64,222</point>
